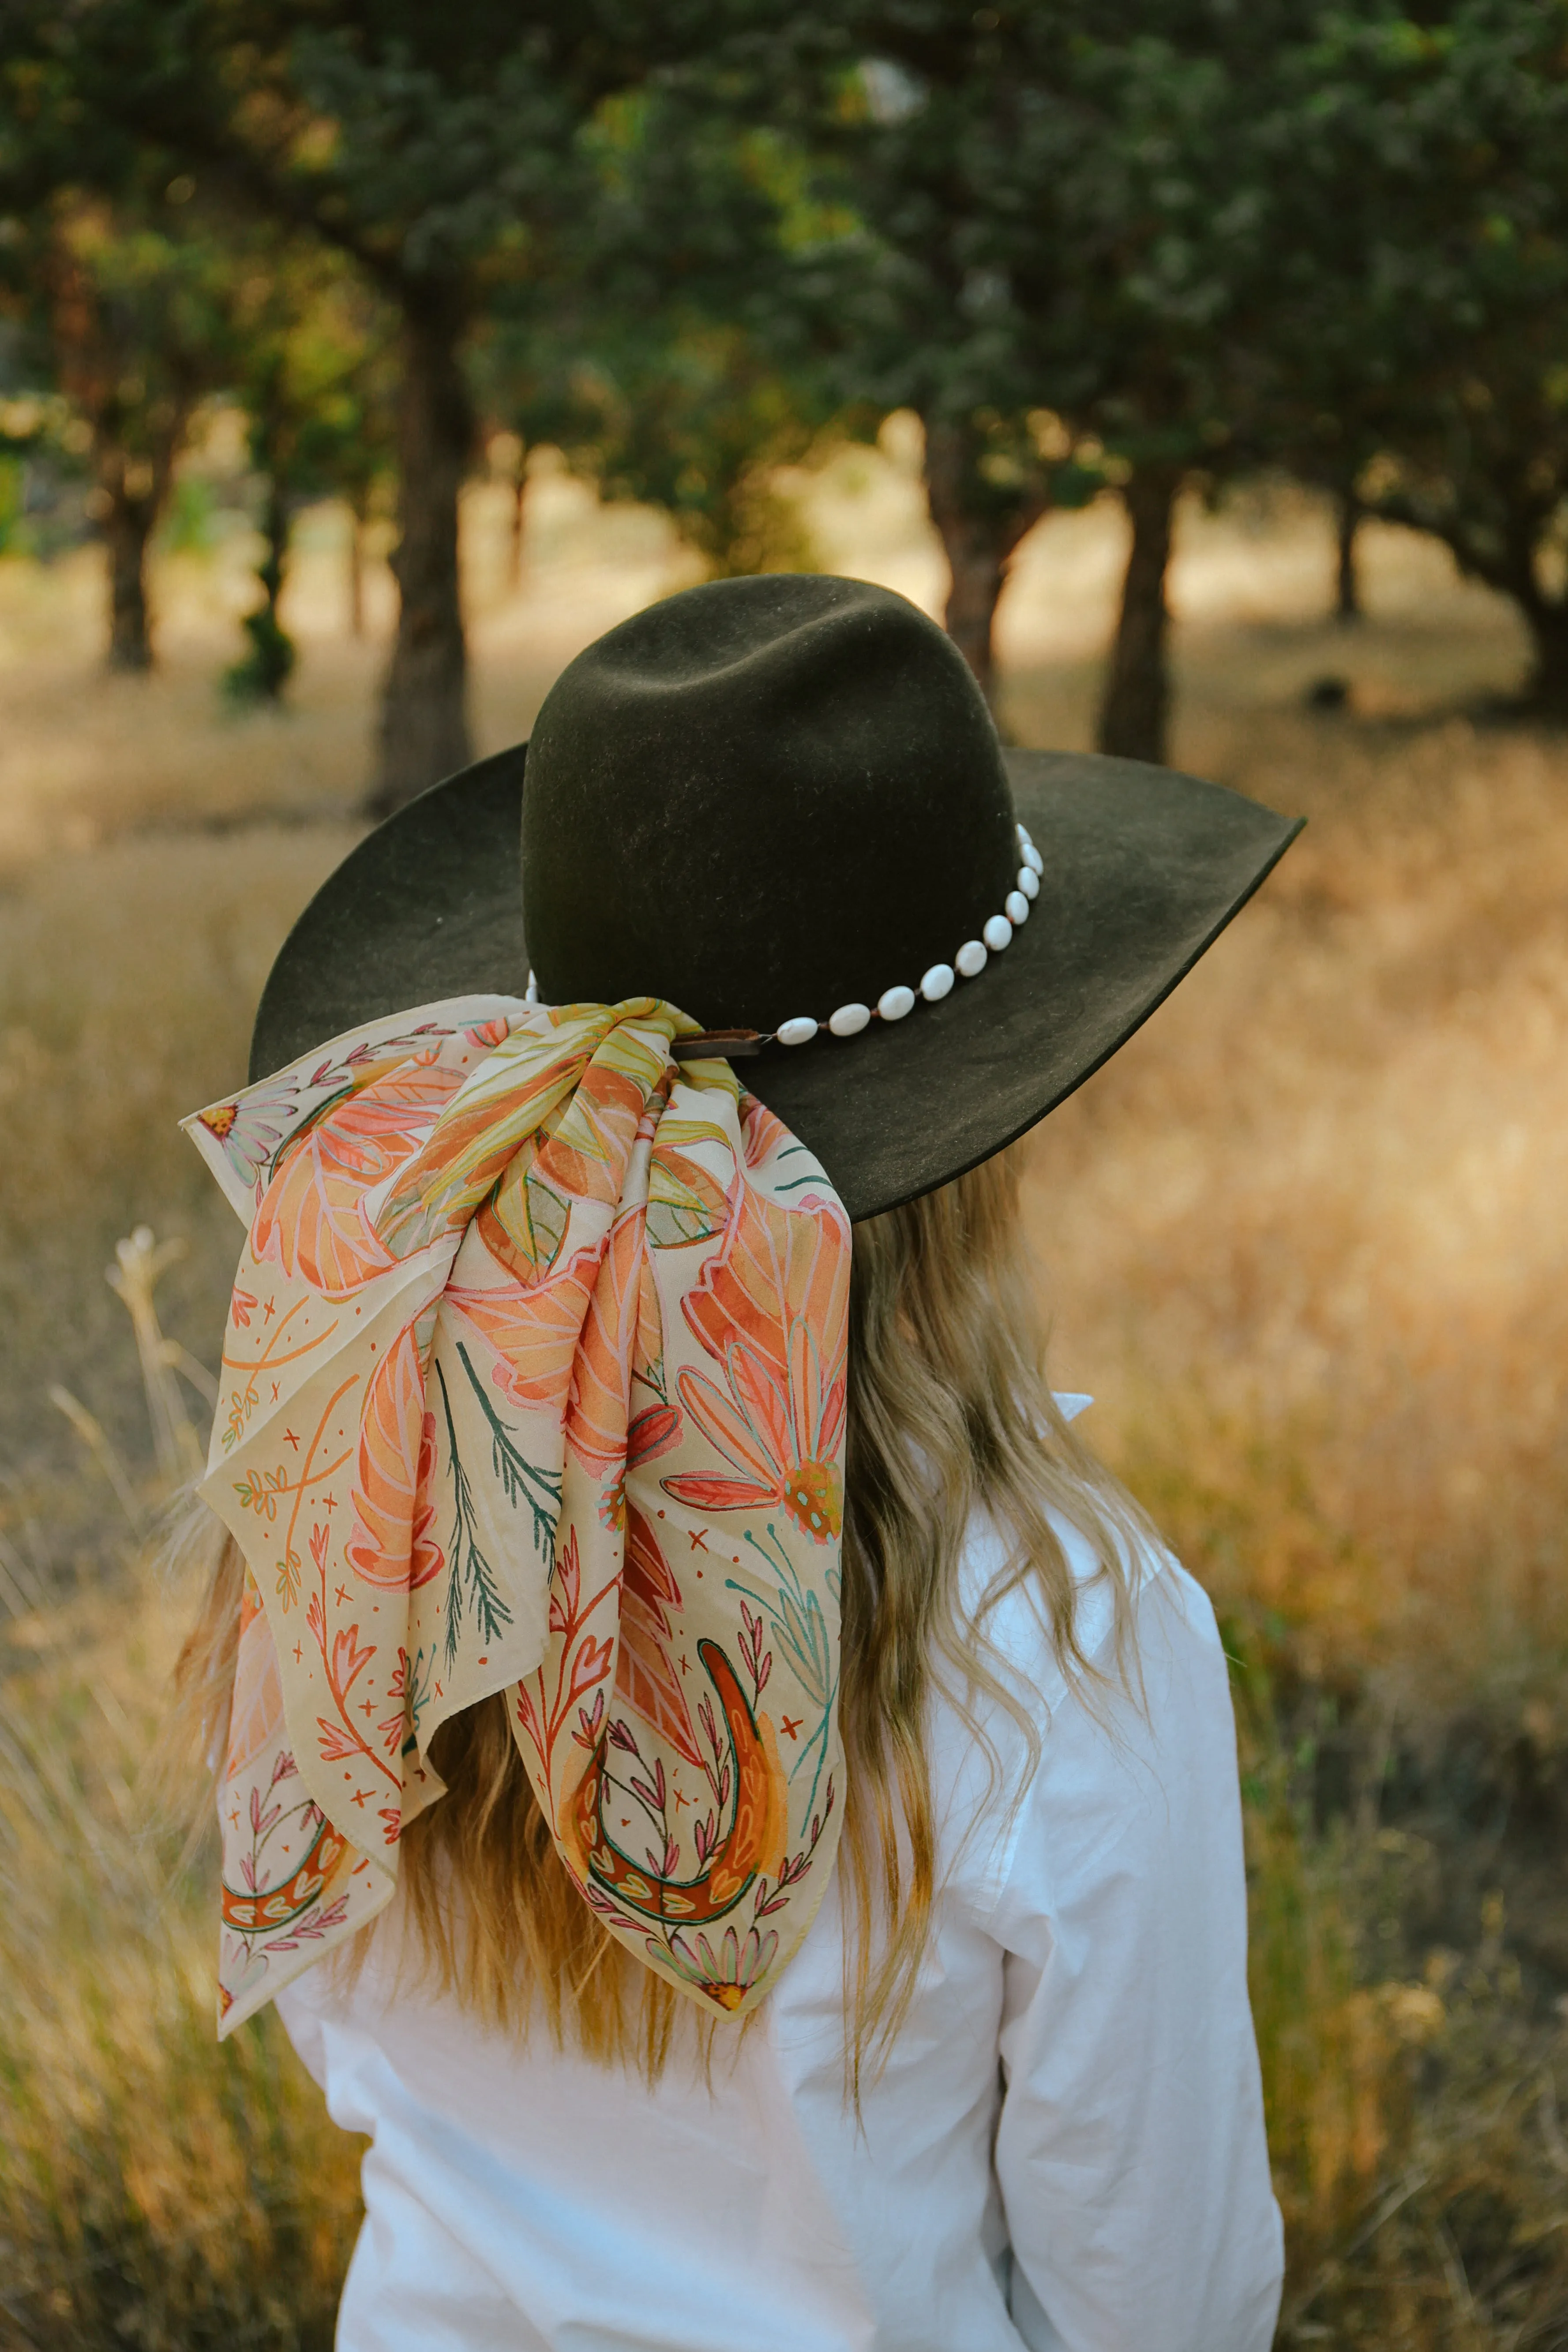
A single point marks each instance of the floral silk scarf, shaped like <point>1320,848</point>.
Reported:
<point>533,1383</point>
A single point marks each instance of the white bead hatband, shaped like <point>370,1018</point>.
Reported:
<point>969,962</point>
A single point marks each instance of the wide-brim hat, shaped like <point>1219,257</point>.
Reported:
<point>782,804</point>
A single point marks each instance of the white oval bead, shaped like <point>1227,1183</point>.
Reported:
<point>1028,882</point>
<point>971,958</point>
<point>1023,832</point>
<point>849,1019</point>
<point>1017,908</point>
<point>798,1032</point>
<point>531,995</point>
<point>1033,859</point>
<point>894,1003</point>
<point>937,982</point>
<point>996,933</point>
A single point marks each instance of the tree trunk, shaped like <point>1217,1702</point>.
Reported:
<point>1136,705</point>
<point>978,538</point>
<point>1547,688</point>
<point>1348,605</point>
<point>356,569</point>
<point>514,542</point>
<point>1514,573</point>
<point>128,495</point>
<point>127,530</point>
<point>272,655</point>
<point>423,718</point>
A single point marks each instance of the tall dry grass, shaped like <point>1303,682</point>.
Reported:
<point>127,978</point>
<point>154,2190</point>
<point>1307,1232</point>
<point>1304,1240</point>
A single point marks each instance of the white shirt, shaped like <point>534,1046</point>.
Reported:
<point>1066,2149</point>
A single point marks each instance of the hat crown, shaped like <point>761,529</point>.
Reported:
<point>760,799</point>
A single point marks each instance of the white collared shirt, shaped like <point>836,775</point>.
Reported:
<point>1065,2151</point>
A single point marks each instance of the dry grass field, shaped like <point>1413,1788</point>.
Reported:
<point>1304,1240</point>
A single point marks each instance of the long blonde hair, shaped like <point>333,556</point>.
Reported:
<point>949,1411</point>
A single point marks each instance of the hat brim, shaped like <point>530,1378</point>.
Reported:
<point>1143,870</point>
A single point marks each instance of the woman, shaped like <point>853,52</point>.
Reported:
<point>727,1792</point>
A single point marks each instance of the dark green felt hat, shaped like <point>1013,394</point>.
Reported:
<point>773,802</point>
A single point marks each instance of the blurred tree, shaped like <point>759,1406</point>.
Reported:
<point>345,363</point>
<point>524,363</point>
<point>435,152</point>
<point>16,447</point>
<point>1058,248</point>
<point>1349,514</point>
<point>128,300</point>
<point>697,420</point>
<point>1423,339</point>
<point>671,357</point>
<point>315,373</point>
<point>119,286</point>
<point>989,479</point>
<point>1173,215</point>
<point>43,444</point>
<point>440,152</point>
<point>922,167</point>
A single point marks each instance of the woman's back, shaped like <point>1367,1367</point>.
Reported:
<point>1104,2185</point>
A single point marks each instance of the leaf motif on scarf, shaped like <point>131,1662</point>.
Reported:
<point>584,1157</point>
<point>524,1222</point>
<point>685,1203</point>
<point>645,1677</point>
<point>255,1713</point>
<point>621,1326</point>
<point>533,1329</point>
<point>312,1221</point>
<point>495,1112</point>
<point>393,1544</point>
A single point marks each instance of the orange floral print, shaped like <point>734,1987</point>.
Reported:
<point>536,1385</point>
<point>760,1310</point>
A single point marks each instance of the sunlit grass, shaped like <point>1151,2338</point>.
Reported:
<point>1411,2089</point>
<point>155,2191</point>
<point>1305,1234</point>
<point>1304,1240</point>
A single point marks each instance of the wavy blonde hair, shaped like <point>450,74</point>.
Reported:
<point>949,1411</point>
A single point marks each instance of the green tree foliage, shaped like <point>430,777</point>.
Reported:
<point>697,422</point>
<point>440,151</point>
<point>436,150</point>
<point>920,163</point>
<point>1420,352</point>
<point>1146,243</point>
<point>314,372</point>
<point>1209,239</point>
<point>1057,256</point>
<point>670,355</point>
<point>125,300</point>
